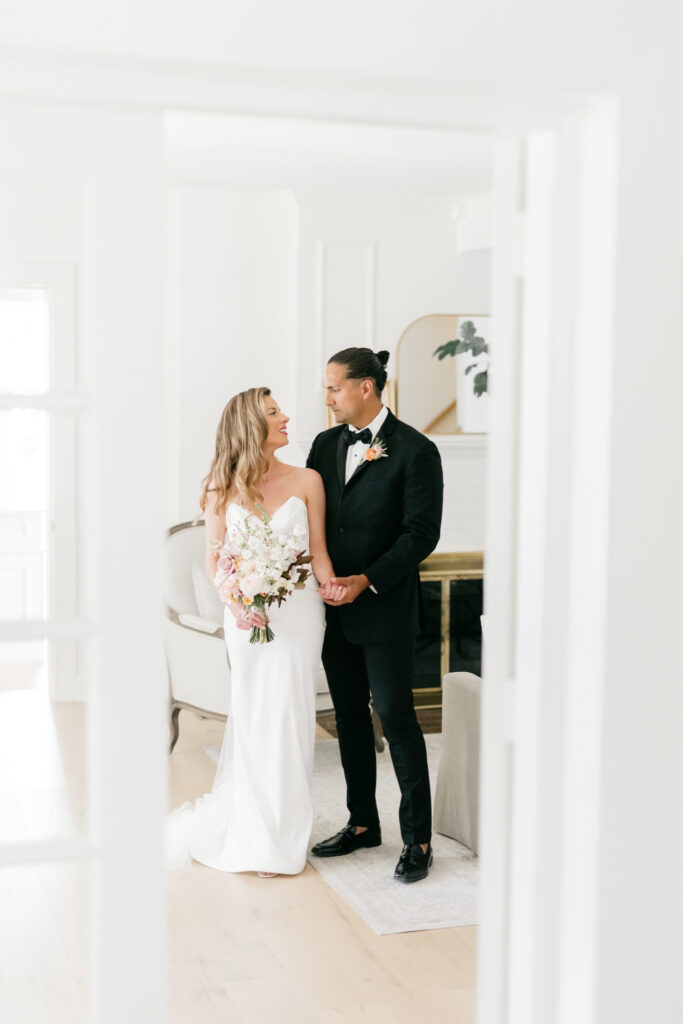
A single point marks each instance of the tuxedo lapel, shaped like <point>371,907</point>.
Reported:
<point>342,448</point>
<point>383,433</point>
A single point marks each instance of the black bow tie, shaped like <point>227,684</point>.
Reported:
<point>351,436</point>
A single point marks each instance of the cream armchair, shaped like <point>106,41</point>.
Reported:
<point>456,800</point>
<point>197,659</point>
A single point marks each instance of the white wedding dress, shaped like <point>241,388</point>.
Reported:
<point>258,815</point>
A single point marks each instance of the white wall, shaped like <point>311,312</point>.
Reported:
<point>367,269</point>
<point>231,318</point>
<point>519,44</point>
<point>41,221</point>
<point>640,913</point>
<point>267,287</point>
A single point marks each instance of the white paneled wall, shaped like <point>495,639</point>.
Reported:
<point>464,472</point>
<point>231,317</point>
<point>345,294</point>
<point>266,286</point>
<point>368,267</point>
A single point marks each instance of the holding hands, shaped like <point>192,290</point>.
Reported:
<point>340,590</point>
<point>332,591</point>
<point>336,591</point>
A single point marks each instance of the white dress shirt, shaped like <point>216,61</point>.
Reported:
<point>356,452</point>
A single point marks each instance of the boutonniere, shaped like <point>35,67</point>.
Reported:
<point>377,450</point>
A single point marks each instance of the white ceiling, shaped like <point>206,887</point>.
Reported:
<point>532,43</point>
<point>283,153</point>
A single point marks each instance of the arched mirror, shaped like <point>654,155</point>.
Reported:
<point>441,374</point>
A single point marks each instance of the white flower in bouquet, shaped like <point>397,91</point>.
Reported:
<point>252,584</point>
<point>256,568</point>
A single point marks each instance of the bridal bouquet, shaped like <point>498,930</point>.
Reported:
<point>257,568</point>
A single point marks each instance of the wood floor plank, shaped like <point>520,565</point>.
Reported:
<point>39,984</point>
<point>192,997</point>
<point>242,950</point>
<point>306,939</point>
<point>358,1013</point>
<point>67,891</point>
<point>278,1002</point>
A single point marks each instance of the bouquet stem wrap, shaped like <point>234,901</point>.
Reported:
<point>261,636</point>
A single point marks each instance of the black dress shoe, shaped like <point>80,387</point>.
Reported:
<point>413,864</point>
<point>347,841</point>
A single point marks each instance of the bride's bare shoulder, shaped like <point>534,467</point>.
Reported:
<point>306,476</point>
<point>300,475</point>
<point>303,483</point>
<point>311,481</point>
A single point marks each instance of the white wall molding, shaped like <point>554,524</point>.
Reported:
<point>345,297</point>
<point>159,85</point>
<point>234,265</point>
<point>473,444</point>
<point>473,217</point>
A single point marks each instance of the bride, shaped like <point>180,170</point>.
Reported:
<point>258,815</point>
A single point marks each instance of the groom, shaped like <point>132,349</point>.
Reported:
<point>384,489</point>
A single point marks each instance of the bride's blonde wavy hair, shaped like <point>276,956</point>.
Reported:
<point>238,459</point>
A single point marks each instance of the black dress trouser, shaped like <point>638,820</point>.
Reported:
<point>385,671</point>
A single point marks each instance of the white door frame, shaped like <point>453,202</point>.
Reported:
<point>533,589</point>
<point>546,551</point>
<point>113,162</point>
<point>62,404</point>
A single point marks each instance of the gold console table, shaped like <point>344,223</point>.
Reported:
<point>444,568</point>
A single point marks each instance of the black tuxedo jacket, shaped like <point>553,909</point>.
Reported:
<point>383,523</point>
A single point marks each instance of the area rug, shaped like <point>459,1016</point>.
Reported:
<point>447,898</point>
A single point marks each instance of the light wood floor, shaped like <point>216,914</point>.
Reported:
<point>43,910</point>
<point>242,949</point>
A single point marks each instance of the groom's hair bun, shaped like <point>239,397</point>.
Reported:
<point>363,363</point>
